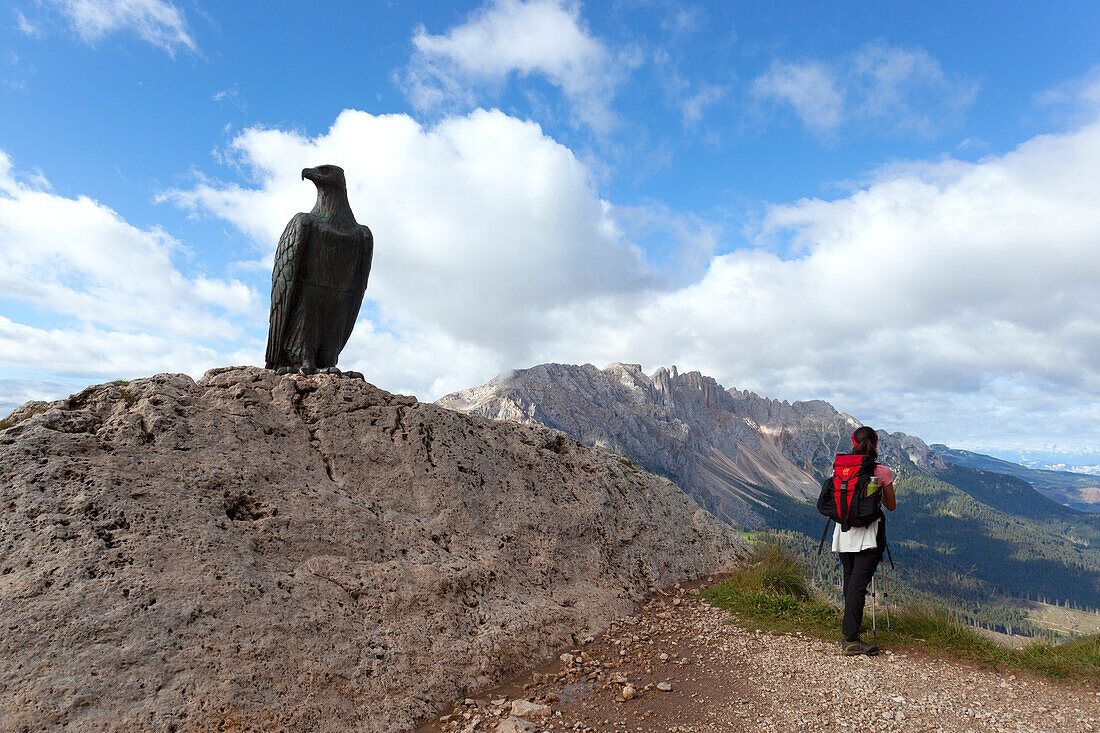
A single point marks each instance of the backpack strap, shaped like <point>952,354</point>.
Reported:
<point>847,494</point>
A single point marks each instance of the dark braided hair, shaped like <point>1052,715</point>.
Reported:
<point>865,441</point>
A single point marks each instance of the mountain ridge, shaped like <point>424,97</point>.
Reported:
<point>730,449</point>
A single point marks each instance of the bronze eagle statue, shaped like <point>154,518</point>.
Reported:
<point>320,275</point>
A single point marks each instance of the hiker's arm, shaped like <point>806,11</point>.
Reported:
<point>888,498</point>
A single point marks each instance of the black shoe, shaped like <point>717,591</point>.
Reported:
<point>852,648</point>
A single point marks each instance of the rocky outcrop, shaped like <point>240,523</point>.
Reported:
<point>733,451</point>
<point>306,553</point>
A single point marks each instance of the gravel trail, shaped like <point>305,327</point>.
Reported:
<point>726,678</point>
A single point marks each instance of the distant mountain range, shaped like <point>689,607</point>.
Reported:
<point>968,533</point>
<point>1077,490</point>
<point>1062,467</point>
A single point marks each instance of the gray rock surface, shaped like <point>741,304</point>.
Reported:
<point>531,710</point>
<point>733,451</point>
<point>306,553</point>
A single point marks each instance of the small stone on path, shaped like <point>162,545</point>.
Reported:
<point>527,709</point>
<point>515,725</point>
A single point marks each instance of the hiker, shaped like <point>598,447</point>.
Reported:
<point>859,534</point>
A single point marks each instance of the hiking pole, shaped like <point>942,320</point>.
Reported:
<point>886,599</point>
<point>874,625</point>
<point>821,545</point>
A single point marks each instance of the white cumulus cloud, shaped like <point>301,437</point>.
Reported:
<point>955,300</point>
<point>1075,99</point>
<point>486,229</point>
<point>810,88</point>
<point>120,302</point>
<point>26,27</point>
<point>516,38</point>
<point>931,298</point>
<point>937,296</point>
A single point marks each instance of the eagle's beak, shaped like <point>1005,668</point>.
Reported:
<point>308,173</point>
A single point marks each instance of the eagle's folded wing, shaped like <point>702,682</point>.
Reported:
<point>284,281</point>
<point>366,241</point>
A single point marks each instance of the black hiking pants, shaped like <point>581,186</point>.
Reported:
<point>859,568</point>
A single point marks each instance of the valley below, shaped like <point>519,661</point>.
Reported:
<point>1068,621</point>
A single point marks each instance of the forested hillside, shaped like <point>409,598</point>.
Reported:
<point>1007,493</point>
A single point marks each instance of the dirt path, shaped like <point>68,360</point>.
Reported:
<point>724,678</point>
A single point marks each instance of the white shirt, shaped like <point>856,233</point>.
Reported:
<point>855,539</point>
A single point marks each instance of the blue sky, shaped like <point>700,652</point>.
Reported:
<point>892,206</point>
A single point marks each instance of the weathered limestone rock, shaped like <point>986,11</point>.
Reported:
<point>530,710</point>
<point>306,553</point>
<point>515,725</point>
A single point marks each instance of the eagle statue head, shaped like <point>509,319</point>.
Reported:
<point>332,193</point>
<point>325,176</point>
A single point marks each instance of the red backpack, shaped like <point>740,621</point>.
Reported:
<point>844,498</point>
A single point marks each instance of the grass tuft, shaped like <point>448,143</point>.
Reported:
<point>1077,658</point>
<point>769,591</point>
<point>771,570</point>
